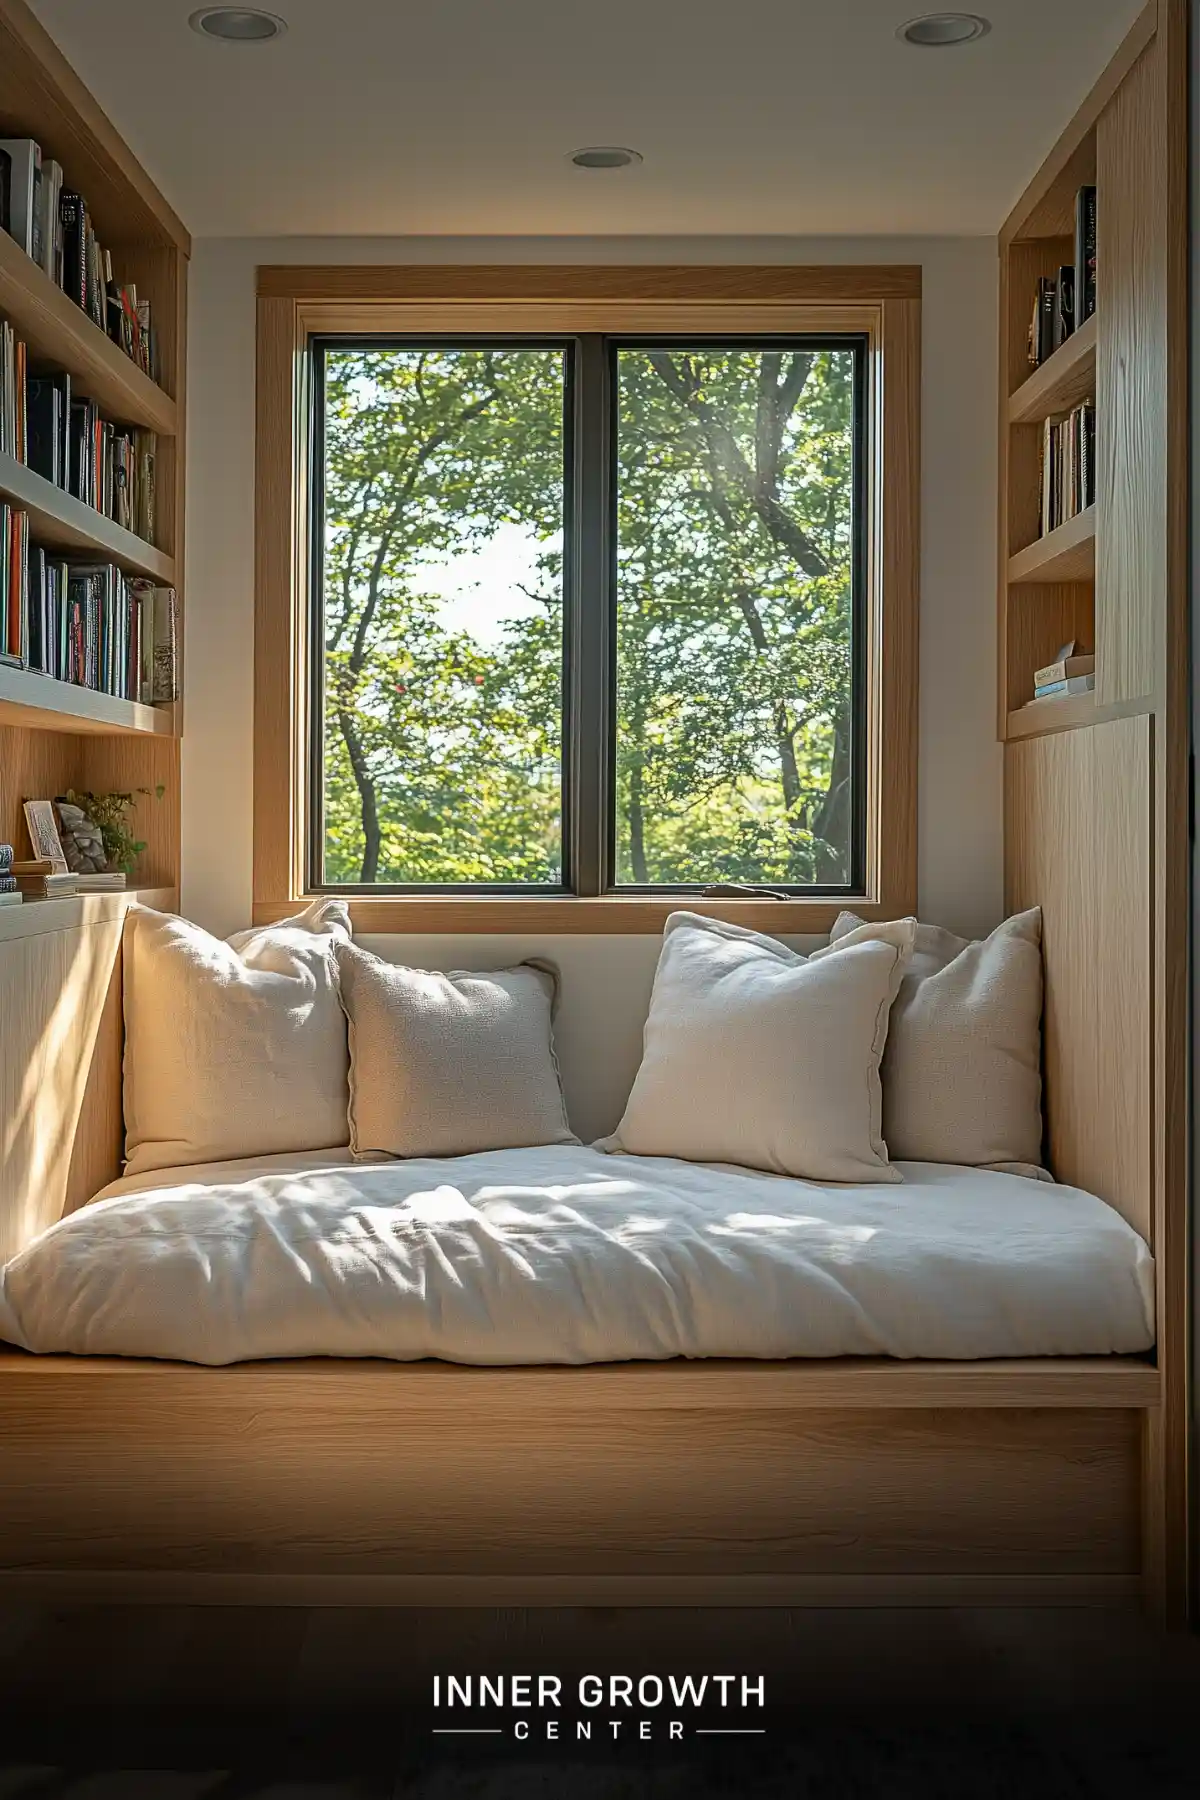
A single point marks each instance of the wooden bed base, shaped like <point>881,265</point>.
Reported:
<point>353,1483</point>
<point>672,1483</point>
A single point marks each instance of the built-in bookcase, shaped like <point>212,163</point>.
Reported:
<point>1086,580</point>
<point>54,735</point>
<point>1048,581</point>
<point>1096,785</point>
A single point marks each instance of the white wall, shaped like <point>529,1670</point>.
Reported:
<point>605,980</point>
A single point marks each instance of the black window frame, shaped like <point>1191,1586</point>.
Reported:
<point>590,605</point>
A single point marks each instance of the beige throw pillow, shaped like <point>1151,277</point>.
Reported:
<point>233,1049</point>
<point>443,1065</point>
<point>754,1054</point>
<point>962,1074</point>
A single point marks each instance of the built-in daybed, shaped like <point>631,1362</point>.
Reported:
<point>359,1480</point>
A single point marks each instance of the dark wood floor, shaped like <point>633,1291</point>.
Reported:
<point>134,1703</point>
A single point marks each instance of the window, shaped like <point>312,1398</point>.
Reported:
<point>589,614</point>
<point>583,591</point>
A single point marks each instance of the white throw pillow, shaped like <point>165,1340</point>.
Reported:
<point>754,1054</point>
<point>962,1078</point>
<point>444,1065</point>
<point>233,1049</point>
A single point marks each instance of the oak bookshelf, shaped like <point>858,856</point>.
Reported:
<point>61,522</point>
<point>54,735</point>
<point>1096,784</point>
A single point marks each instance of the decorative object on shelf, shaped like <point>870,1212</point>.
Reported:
<point>108,814</point>
<point>43,835</point>
<point>82,840</point>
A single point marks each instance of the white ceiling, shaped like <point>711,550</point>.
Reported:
<point>799,117</point>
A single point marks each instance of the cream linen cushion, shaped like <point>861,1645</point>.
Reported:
<point>444,1065</point>
<point>962,1073</point>
<point>232,1049</point>
<point>754,1054</point>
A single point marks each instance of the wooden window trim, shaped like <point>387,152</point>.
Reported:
<point>297,302</point>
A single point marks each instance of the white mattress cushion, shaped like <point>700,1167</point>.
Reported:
<point>754,1054</point>
<point>233,1048</point>
<point>442,1065</point>
<point>566,1255</point>
<point>962,1071</point>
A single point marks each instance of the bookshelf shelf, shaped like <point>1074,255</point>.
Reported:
<point>60,334</point>
<point>1068,553</point>
<point>1064,713</point>
<point>1063,380</point>
<point>38,703</point>
<point>58,521</point>
<point>33,917</point>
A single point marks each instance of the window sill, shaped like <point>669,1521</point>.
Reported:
<point>608,915</point>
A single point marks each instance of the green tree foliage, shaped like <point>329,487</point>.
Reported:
<point>443,751</point>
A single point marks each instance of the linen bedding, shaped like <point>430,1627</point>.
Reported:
<point>564,1254</point>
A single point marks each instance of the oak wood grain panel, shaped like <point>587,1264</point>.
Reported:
<point>893,660</point>
<point>1061,382</point>
<point>318,1385</point>
<point>1169,1510</point>
<point>1131,382</point>
<point>1077,843</point>
<point>34,765</point>
<point>593,281</point>
<point>608,915</point>
<point>1068,553</point>
<point>394,1491</point>
<point>33,918</point>
<point>129,765</point>
<point>88,1587</point>
<point>59,1112</point>
<point>1063,712</point>
<point>38,703</point>
<point>275,625</point>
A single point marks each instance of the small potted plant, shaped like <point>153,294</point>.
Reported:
<point>98,825</point>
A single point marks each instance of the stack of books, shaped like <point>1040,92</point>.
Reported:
<point>30,203</point>
<point>1064,300</point>
<point>10,892</point>
<point>1067,674</point>
<point>53,226</point>
<point>1068,465</point>
<point>65,440</point>
<point>38,879</point>
<point>85,622</point>
<point>13,410</point>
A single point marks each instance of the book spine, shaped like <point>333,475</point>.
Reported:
<point>1046,291</point>
<point>1085,254</point>
<point>164,646</point>
<point>1064,305</point>
<point>70,210</point>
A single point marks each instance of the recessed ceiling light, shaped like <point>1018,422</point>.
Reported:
<point>237,24</point>
<point>940,31</point>
<point>605,156</point>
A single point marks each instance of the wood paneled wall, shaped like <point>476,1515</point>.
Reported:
<point>1131,382</point>
<point>1077,834</point>
<point>1097,806</point>
<point>60,1072</point>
